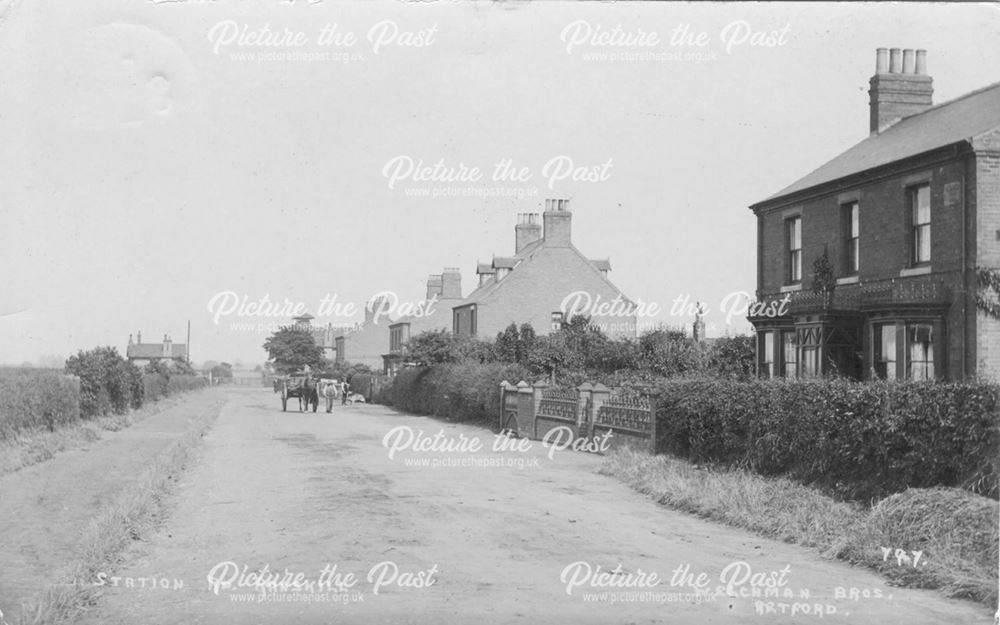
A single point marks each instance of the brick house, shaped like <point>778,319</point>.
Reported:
<point>366,343</point>
<point>323,335</point>
<point>141,354</point>
<point>444,290</point>
<point>532,285</point>
<point>905,218</point>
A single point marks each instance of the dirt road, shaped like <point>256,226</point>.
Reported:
<point>46,507</point>
<point>306,493</point>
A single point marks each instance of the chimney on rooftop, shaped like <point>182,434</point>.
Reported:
<point>899,88</point>
<point>527,231</point>
<point>433,286</point>
<point>557,220</point>
<point>451,283</point>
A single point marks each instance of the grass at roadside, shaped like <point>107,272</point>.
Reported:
<point>957,531</point>
<point>27,448</point>
<point>128,518</point>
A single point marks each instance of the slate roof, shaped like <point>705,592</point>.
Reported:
<point>950,122</point>
<point>505,262</point>
<point>155,350</point>
<point>492,285</point>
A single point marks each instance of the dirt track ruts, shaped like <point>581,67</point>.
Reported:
<point>303,491</point>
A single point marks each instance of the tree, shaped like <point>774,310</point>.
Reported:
<point>505,347</point>
<point>440,346</point>
<point>222,371</point>
<point>669,352</point>
<point>157,367</point>
<point>733,356</point>
<point>291,348</point>
<point>823,278</point>
<point>182,367</point>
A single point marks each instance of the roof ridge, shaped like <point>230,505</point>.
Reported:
<point>927,130</point>
<point>934,107</point>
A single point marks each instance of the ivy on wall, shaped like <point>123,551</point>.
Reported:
<point>988,293</point>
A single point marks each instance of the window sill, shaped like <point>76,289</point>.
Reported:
<point>915,271</point>
<point>847,280</point>
<point>791,288</point>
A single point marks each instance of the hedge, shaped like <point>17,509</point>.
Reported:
<point>37,400</point>
<point>859,440</point>
<point>157,385</point>
<point>462,392</point>
<point>99,382</point>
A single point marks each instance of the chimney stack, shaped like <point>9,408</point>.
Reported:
<point>557,220</point>
<point>900,87</point>
<point>434,286</point>
<point>527,231</point>
<point>451,283</point>
<point>138,336</point>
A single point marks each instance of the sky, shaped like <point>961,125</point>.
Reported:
<point>161,160</point>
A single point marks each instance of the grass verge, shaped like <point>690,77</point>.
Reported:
<point>128,518</point>
<point>956,531</point>
<point>28,448</point>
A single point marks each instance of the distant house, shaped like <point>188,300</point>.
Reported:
<point>443,291</point>
<point>141,354</point>
<point>324,336</point>
<point>366,343</point>
<point>545,282</point>
<point>904,217</point>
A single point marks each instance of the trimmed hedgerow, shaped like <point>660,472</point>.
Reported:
<point>32,401</point>
<point>858,439</point>
<point>467,392</point>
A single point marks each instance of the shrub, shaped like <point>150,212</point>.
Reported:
<point>184,383</point>
<point>371,385</point>
<point>158,385</point>
<point>154,385</point>
<point>859,439</point>
<point>461,391</point>
<point>37,400</point>
<point>108,382</point>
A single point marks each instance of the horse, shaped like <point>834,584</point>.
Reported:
<point>308,394</point>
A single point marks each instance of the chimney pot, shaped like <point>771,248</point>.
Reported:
<point>895,61</point>
<point>882,61</point>
<point>904,91</point>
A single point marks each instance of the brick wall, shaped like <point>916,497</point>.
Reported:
<point>987,246</point>
<point>537,289</point>
<point>885,240</point>
<point>884,228</point>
